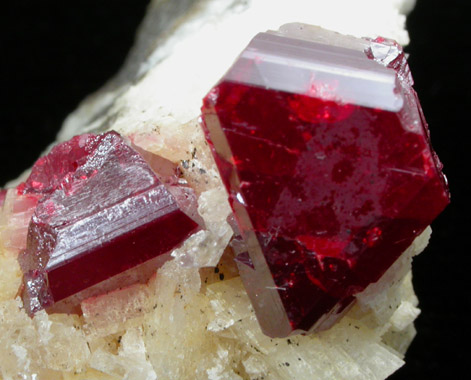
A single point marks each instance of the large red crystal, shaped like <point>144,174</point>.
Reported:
<point>321,144</point>
<point>102,212</point>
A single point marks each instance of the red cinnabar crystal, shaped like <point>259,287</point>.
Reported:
<point>3,194</point>
<point>321,144</point>
<point>102,214</point>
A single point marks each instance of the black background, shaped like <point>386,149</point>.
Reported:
<point>54,53</point>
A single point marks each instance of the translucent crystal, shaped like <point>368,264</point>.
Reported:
<point>205,248</point>
<point>325,154</point>
<point>104,221</point>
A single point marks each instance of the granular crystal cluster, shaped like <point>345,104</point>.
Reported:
<point>323,149</point>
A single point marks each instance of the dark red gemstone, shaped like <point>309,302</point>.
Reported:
<point>329,185</point>
<point>103,216</point>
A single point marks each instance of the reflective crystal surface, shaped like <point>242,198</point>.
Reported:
<point>325,154</point>
<point>102,213</point>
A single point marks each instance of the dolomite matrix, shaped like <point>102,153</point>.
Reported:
<point>322,146</point>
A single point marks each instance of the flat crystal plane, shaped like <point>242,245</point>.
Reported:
<point>104,220</point>
<point>322,146</point>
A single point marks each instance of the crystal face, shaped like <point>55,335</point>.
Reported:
<point>325,154</point>
<point>102,212</point>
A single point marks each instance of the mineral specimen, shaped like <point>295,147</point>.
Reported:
<point>103,219</point>
<point>323,148</point>
<point>176,326</point>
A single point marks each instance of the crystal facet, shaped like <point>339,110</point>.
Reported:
<point>325,154</point>
<point>102,214</point>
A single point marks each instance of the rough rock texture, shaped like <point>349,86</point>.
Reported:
<point>190,322</point>
<point>178,327</point>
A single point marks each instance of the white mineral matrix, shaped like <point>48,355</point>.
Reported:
<point>194,321</point>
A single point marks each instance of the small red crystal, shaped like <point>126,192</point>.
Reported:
<point>102,212</point>
<point>3,195</point>
<point>329,185</point>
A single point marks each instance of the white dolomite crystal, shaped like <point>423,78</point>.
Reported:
<point>204,249</point>
<point>191,322</point>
